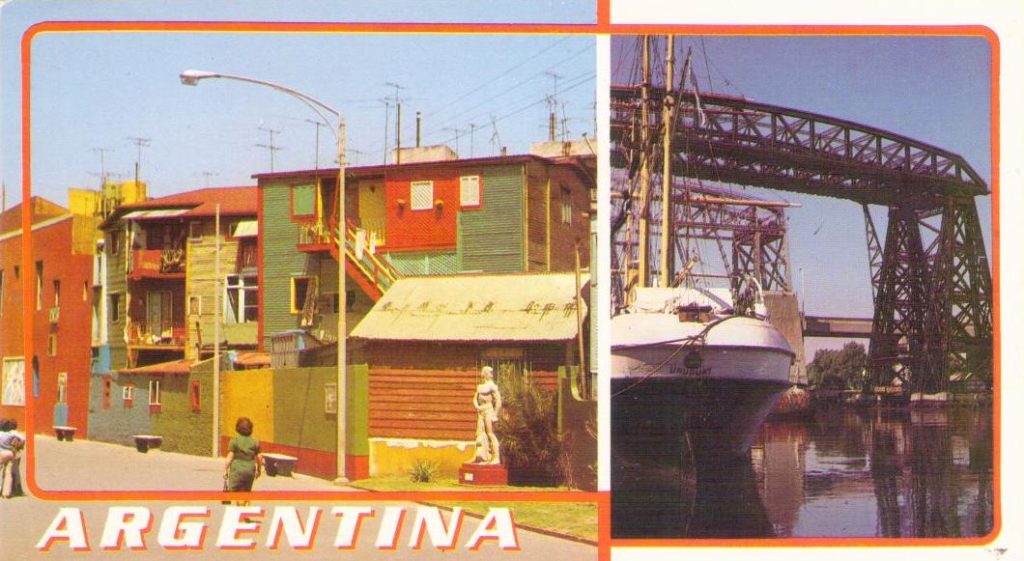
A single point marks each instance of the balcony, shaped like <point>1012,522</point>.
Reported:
<point>162,337</point>
<point>157,264</point>
<point>314,236</point>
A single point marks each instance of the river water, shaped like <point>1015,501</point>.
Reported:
<point>873,472</point>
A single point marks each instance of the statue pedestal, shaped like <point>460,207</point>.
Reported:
<point>483,474</point>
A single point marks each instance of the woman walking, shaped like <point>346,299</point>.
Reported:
<point>244,464</point>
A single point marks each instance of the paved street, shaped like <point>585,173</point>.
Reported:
<point>92,466</point>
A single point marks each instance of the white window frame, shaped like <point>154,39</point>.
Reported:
<point>154,392</point>
<point>62,387</point>
<point>421,195</point>
<point>128,392</point>
<point>245,292</point>
<point>469,191</point>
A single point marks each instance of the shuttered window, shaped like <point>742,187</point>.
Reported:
<point>421,193</point>
<point>469,190</point>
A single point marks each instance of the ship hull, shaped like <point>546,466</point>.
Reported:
<point>713,390</point>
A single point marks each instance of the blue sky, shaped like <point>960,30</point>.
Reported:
<point>92,92</point>
<point>933,89</point>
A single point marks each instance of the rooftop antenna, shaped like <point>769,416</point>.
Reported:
<point>316,158</point>
<point>398,121</point>
<point>495,137</point>
<point>457,132</point>
<point>140,143</point>
<point>472,129</point>
<point>271,147</point>
<point>206,176</point>
<point>103,165</point>
<point>387,119</point>
<point>552,106</point>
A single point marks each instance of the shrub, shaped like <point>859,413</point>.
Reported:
<point>423,471</point>
<point>528,432</point>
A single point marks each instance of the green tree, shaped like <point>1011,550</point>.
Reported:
<point>839,369</point>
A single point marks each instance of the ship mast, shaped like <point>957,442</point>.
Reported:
<point>667,234</point>
<point>643,267</point>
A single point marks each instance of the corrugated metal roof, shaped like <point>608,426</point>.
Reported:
<point>180,366</point>
<point>526,307</point>
<point>247,229</point>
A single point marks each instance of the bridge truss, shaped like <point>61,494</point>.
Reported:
<point>930,275</point>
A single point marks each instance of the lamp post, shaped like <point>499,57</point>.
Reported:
<point>192,78</point>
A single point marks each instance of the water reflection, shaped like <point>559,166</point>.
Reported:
<point>879,472</point>
<point>848,473</point>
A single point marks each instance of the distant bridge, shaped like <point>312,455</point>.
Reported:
<point>820,326</point>
<point>930,276</point>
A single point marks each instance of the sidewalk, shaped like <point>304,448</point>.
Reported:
<point>90,466</point>
<point>84,465</point>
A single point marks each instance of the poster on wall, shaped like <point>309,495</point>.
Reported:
<point>14,382</point>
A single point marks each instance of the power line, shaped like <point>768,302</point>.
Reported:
<point>500,75</point>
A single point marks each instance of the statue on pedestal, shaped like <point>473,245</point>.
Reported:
<point>487,401</point>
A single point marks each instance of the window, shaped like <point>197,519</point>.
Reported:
<point>242,302</point>
<point>39,285</point>
<point>566,206</point>
<point>303,200</point>
<point>62,387</point>
<point>195,231</point>
<point>469,190</point>
<point>300,287</point>
<point>421,193</point>
<point>195,305</point>
<point>115,242</point>
<point>154,396</point>
<point>108,387</point>
<point>51,345</point>
<point>194,396</point>
<point>330,398</point>
<point>128,395</point>
<point>115,307</point>
<point>56,293</point>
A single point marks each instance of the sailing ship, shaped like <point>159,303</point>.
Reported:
<point>695,368</point>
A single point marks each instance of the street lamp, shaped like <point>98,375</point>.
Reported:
<point>192,78</point>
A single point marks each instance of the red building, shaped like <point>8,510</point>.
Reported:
<point>56,377</point>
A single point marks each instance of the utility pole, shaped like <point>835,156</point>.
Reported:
<point>316,159</point>
<point>271,147</point>
<point>398,121</point>
<point>140,143</point>
<point>472,129</point>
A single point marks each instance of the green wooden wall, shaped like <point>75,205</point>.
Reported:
<point>491,239</point>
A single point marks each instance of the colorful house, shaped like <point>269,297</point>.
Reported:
<point>173,283</point>
<point>56,376</point>
<point>507,214</point>
<point>425,341</point>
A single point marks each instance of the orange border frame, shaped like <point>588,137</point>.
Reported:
<point>603,25</point>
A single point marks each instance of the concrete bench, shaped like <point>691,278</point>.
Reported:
<point>143,442</point>
<point>65,433</point>
<point>279,464</point>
